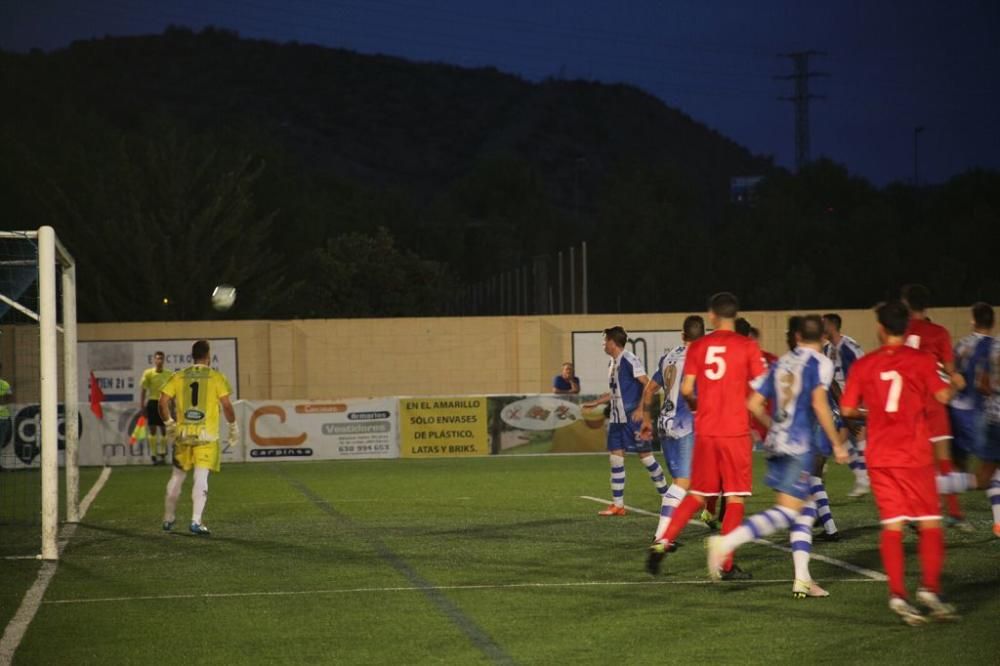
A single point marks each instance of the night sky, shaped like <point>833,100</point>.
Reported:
<point>893,65</point>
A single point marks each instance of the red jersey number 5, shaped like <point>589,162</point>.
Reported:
<point>715,361</point>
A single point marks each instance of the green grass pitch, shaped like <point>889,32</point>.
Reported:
<point>467,561</point>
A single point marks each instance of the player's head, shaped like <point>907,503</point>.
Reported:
<point>811,329</point>
<point>754,333</point>
<point>158,358</point>
<point>615,339</point>
<point>567,370</point>
<point>893,317</point>
<point>200,352</point>
<point>831,324</point>
<point>694,328</point>
<point>742,326</point>
<point>722,305</point>
<point>916,296</point>
<point>791,333</point>
<point>982,315</point>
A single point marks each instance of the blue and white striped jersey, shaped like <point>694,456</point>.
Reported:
<point>626,389</point>
<point>972,357</point>
<point>843,354</point>
<point>991,405</point>
<point>789,385</point>
<point>676,418</point>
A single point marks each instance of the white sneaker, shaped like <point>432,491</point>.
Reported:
<point>807,588</point>
<point>860,489</point>
<point>903,609</point>
<point>716,556</point>
<point>939,610</point>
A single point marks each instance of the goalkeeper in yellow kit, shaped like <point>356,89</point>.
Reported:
<point>197,392</point>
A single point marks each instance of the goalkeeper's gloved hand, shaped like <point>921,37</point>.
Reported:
<point>170,427</point>
<point>234,433</point>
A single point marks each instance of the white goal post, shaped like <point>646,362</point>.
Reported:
<point>52,255</point>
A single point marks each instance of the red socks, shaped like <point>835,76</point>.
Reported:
<point>682,515</point>
<point>950,501</point>
<point>931,549</point>
<point>891,547</point>
<point>732,520</point>
<point>710,503</point>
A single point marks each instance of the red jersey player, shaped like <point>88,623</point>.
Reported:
<point>895,384</point>
<point>719,366</point>
<point>926,336</point>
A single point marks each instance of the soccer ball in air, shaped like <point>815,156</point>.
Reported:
<point>223,297</point>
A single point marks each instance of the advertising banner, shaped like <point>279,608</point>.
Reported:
<point>443,427</point>
<point>591,363</point>
<point>545,424</point>
<point>317,430</point>
<point>107,441</point>
<point>118,365</point>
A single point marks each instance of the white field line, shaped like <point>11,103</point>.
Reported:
<point>18,624</point>
<point>873,575</point>
<point>363,590</point>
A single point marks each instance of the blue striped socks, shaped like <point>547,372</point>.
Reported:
<point>655,473</point>
<point>758,526</point>
<point>801,541</point>
<point>822,500</point>
<point>668,504</point>
<point>618,479</point>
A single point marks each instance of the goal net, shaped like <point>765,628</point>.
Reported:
<point>38,429</point>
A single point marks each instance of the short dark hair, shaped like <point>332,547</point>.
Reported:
<point>159,353</point>
<point>982,314</point>
<point>811,328</point>
<point>833,318</point>
<point>917,297</point>
<point>894,316</point>
<point>793,327</point>
<point>755,333</point>
<point>200,350</point>
<point>724,304</point>
<point>694,327</point>
<point>742,326</point>
<point>616,334</point>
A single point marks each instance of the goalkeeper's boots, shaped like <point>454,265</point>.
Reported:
<point>802,589</point>
<point>709,520</point>
<point>168,525</point>
<point>613,510</point>
<point>657,551</point>
<point>199,529</point>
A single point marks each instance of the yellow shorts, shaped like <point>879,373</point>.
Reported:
<point>193,453</point>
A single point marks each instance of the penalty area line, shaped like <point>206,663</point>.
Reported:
<point>873,575</point>
<point>18,624</point>
<point>423,588</point>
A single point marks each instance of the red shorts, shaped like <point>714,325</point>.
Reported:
<point>721,464</point>
<point>905,493</point>
<point>938,423</point>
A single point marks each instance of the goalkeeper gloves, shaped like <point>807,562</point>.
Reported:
<point>170,427</point>
<point>234,433</point>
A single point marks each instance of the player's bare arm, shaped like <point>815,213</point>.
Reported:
<point>603,400</point>
<point>687,391</point>
<point>945,395</point>
<point>757,404</point>
<point>164,406</point>
<point>637,415</point>
<point>227,409</point>
<point>821,407</point>
<point>648,391</point>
